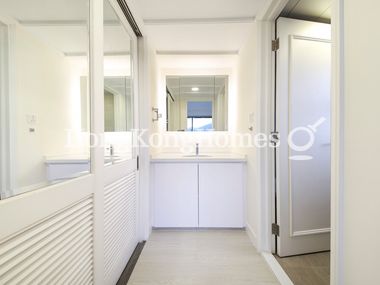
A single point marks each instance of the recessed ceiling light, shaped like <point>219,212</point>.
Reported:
<point>195,89</point>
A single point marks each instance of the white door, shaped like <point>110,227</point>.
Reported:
<point>303,123</point>
<point>121,149</point>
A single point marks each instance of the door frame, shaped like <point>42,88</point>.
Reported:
<point>6,122</point>
<point>106,174</point>
<point>337,142</point>
<point>4,107</point>
<point>266,83</point>
<point>264,107</point>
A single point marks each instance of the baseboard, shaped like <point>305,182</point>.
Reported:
<point>127,272</point>
<point>281,275</point>
<point>276,268</point>
<point>251,234</point>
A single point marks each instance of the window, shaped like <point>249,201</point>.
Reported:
<point>199,116</point>
<point>199,124</point>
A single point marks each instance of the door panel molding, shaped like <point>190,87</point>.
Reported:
<point>117,171</point>
<point>56,250</point>
<point>310,232</point>
<point>313,39</point>
<point>29,208</point>
<point>120,225</point>
<point>291,65</point>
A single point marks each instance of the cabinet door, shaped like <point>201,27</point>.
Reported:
<point>176,195</point>
<point>221,195</point>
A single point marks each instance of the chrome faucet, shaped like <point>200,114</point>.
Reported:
<point>197,149</point>
<point>110,157</point>
<point>110,148</point>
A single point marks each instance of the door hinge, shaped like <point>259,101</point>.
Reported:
<point>275,229</point>
<point>276,44</point>
<point>274,138</point>
<point>138,162</point>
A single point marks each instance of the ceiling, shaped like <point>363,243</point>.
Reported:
<point>198,9</point>
<point>313,10</point>
<point>198,25</point>
<point>63,24</point>
<point>198,38</point>
<point>50,10</point>
<point>173,26</point>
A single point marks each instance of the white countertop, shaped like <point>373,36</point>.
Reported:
<point>203,157</point>
<point>76,159</point>
<point>67,159</point>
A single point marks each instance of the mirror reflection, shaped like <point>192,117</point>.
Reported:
<point>117,104</point>
<point>43,74</point>
<point>197,103</point>
<point>118,92</point>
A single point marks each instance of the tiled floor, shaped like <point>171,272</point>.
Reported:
<point>309,269</point>
<point>202,257</point>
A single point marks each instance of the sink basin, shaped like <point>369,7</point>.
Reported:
<point>195,155</point>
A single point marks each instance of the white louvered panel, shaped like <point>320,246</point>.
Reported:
<point>57,250</point>
<point>120,238</point>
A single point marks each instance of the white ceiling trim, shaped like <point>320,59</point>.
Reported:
<point>197,52</point>
<point>116,53</point>
<point>53,23</point>
<point>191,21</point>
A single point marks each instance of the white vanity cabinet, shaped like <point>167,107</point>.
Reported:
<point>198,194</point>
<point>175,195</point>
<point>221,195</point>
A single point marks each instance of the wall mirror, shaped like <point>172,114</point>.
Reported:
<point>118,88</point>
<point>197,103</point>
<point>44,71</point>
<point>117,104</point>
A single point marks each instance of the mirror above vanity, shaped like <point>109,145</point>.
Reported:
<point>197,103</point>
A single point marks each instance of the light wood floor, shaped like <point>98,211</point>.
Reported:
<point>202,257</point>
<point>309,269</point>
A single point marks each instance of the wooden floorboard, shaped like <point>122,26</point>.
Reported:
<point>308,269</point>
<point>201,257</point>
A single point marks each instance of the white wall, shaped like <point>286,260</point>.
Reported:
<point>148,80</point>
<point>45,84</point>
<point>153,74</point>
<point>247,117</point>
<point>361,194</point>
<point>242,109</point>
